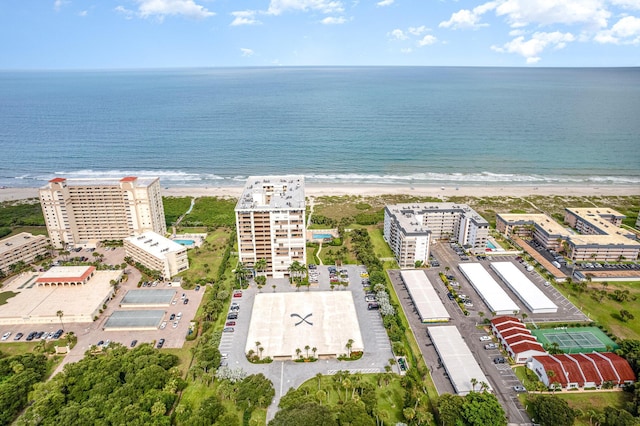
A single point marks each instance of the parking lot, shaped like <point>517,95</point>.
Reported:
<point>287,374</point>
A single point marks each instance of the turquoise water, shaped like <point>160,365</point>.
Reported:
<point>185,242</point>
<point>322,236</point>
<point>396,125</point>
<point>491,245</point>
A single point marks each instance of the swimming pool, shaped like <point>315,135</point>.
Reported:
<point>322,236</point>
<point>185,242</point>
<point>491,245</point>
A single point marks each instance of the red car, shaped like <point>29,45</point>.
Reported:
<point>237,294</point>
<point>230,323</point>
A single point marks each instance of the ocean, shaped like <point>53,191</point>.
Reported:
<point>370,125</point>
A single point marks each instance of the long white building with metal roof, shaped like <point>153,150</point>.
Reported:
<point>533,298</point>
<point>424,297</point>
<point>489,290</point>
<point>457,359</point>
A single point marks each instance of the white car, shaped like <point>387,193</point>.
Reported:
<point>163,325</point>
<point>485,338</point>
<point>6,335</point>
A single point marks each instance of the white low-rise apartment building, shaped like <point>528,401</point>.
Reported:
<point>85,211</point>
<point>409,228</point>
<point>270,223</point>
<point>22,247</point>
<point>157,253</point>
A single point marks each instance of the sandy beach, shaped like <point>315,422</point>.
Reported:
<point>318,190</point>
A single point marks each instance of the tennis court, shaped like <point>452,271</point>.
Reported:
<point>576,340</point>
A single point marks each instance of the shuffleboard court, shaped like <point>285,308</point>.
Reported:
<point>134,320</point>
<point>576,340</point>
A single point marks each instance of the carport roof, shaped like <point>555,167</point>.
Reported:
<point>148,297</point>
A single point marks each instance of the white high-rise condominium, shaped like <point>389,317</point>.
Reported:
<point>79,211</point>
<point>270,222</point>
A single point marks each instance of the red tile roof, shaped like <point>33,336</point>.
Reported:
<point>572,368</point>
<point>588,368</point>
<point>57,180</point>
<point>509,325</point>
<point>128,179</point>
<point>621,365</point>
<point>500,320</point>
<point>523,346</point>
<point>606,370</point>
<point>80,278</point>
<point>514,332</point>
<point>550,364</point>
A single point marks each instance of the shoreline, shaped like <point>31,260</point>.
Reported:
<point>373,190</point>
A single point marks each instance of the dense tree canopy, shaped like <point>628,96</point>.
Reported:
<point>549,410</point>
<point>307,414</point>
<point>474,409</point>
<point>120,386</point>
<point>17,376</point>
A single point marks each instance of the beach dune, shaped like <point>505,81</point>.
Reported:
<point>318,190</point>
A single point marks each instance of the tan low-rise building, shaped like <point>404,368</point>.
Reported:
<point>157,253</point>
<point>22,247</point>
<point>598,238</point>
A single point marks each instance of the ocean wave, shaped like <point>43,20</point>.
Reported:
<point>186,179</point>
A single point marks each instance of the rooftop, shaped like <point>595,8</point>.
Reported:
<point>66,274</point>
<point>522,286</point>
<point>92,182</point>
<point>155,244</point>
<point>424,296</point>
<point>409,215</point>
<point>10,243</point>
<point>272,193</point>
<point>496,298</point>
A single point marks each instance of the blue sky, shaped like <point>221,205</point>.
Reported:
<point>97,34</point>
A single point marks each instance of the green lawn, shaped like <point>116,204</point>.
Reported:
<point>585,401</point>
<point>606,312</point>
<point>204,261</point>
<point>35,230</point>
<point>6,295</point>
<point>380,246</point>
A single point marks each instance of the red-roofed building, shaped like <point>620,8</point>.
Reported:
<point>57,180</point>
<point>582,370</point>
<point>128,179</point>
<point>66,275</point>
<point>517,340</point>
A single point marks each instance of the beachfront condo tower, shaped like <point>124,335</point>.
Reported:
<point>82,212</point>
<point>410,228</point>
<point>270,223</point>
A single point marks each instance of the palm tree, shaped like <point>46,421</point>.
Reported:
<point>314,350</point>
<point>349,345</point>
<point>474,382</point>
<point>258,345</point>
<point>319,377</point>
<point>306,348</point>
<point>274,288</point>
<point>60,314</point>
<point>551,374</point>
<point>298,351</point>
<point>260,265</point>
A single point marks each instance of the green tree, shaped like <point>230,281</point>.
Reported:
<point>60,314</point>
<point>449,409</point>
<point>483,409</point>
<point>307,414</point>
<point>549,410</point>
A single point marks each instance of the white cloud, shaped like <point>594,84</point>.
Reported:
<point>57,4</point>
<point>520,13</point>
<point>626,4</point>
<point>406,50</point>
<point>427,40</point>
<point>532,48</point>
<point>397,34</point>
<point>333,20</point>
<point>418,30</point>
<point>516,33</point>
<point>83,13</point>
<point>465,18</point>
<point>246,52</point>
<point>244,17</point>
<point>162,8</point>
<point>276,7</point>
<point>385,3</point>
<point>625,31</point>
<point>127,13</point>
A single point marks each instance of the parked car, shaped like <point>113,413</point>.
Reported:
<point>237,293</point>
<point>228,330</point>
<point>373,306</point>
<point>18,336</point>
<point>172,317</point>
<point>100,343</point>
<point>485,338</point>
<point>232,316</point>
<point>230,323</point>
<point>163,325</point>
<point>197,288</point>
<point>134,342</point>
<point>186,301</point>
<point>499,360</point>
<point>58,333</point>
<point>160,343</point>
<point>491,346</point>
<point>175,324</point>
<point>519,389</point>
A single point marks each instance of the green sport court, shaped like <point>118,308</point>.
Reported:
<point>576,339</point>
